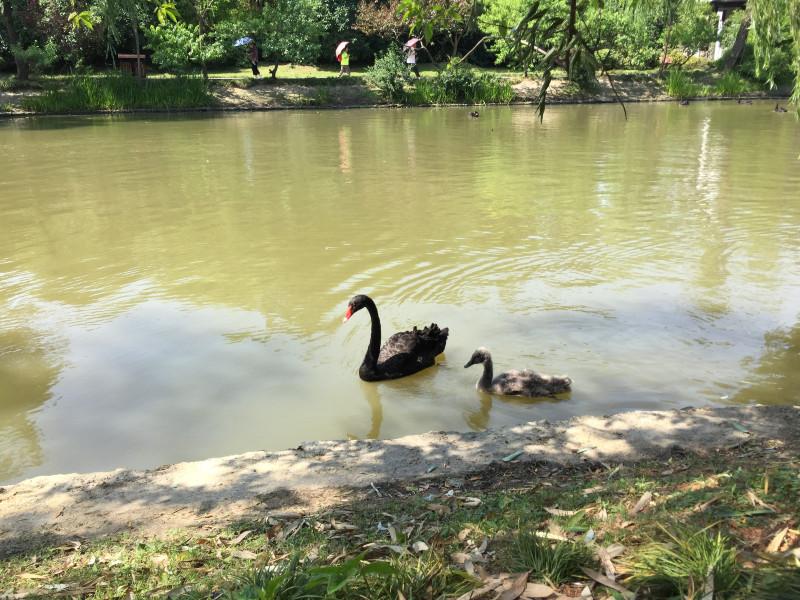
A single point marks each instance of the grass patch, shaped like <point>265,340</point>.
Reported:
<point>82,94</point>
<point>461,85</point>
<point>552,562</point>
<point>732,84</point>
<point>681,86</point>
<point>687,562</point>
<point>417,538</point>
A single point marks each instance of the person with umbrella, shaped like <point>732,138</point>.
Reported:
<point>343,56</point>
<point>411,60</point>
<point>252,52</point>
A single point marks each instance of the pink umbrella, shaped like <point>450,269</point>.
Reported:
<point>412,42</point>
<point>341,47</point>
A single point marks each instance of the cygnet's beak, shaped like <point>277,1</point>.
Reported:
<point>470,363</point>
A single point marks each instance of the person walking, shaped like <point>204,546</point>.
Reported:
<point>344,61</point>
<point>252,55</point>
<point>411,58</point>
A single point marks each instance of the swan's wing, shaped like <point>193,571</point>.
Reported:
<point>419,344</point>
<point>511,383</point>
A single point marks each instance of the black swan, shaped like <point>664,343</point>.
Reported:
<point>779,109</point>
<point>516,383</point>
<point>403,353</point>
<point>474,114</point>
<point>684,103</point>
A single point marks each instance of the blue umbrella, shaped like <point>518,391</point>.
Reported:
<point>242,41</point>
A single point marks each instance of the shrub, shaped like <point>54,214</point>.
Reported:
<point>461,84</point>
<point>388,74</point>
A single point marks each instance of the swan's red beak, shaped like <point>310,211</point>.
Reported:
<point>348,314</point>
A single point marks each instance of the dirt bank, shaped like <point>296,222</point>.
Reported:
<point>320,474</point>
<point>245,95</point>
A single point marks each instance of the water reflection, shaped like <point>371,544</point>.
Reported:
<point>145,320</point>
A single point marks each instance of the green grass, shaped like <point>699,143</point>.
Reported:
<point>82,94</point>
<point>465,86</point>
<point>686,562</point>
<point>733,84</point>
<point>681,86</point>
<point>552,562</point>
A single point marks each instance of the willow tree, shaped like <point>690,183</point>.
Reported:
<point>770,19</point>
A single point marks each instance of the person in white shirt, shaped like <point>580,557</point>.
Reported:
<point>411,59</point>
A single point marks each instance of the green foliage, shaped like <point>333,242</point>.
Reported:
<point>552,562</point>
<point>122,92</point>
<point>732,84</point>
<point>772,583</point>
<point>178,46</point>
<point>685,563</point>
<point>460,84</point>
<point>680,85</point>
<point>389,74</point>
<point>38,56</point>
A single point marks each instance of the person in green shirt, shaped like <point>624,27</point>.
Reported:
<point>344,60</point>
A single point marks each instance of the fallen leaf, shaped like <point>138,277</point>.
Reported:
<point>400,595</point>
<point>593,490</point>
<point>603,580</point>
<point>537,590</point>
<point>340,526</point>
<point>775,544</point>
<point>560,512</point>
<point>586,592</point>
<point>516,587</point>
<point>756,501</point>
<point>470,502</point>
<point>419,546</point>
<point>740,427</point>
<point>513,456</point>
<point>584,450</point>
<point>244,554</point>
<point>32,576</point>
<point>462,535</point>
<point>482,592</point>
<point>704,505</point>
<point>240,537</point>
<point>642,504</point>
<point>392,534</point>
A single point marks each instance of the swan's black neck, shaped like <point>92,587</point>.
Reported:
<point>485,382</point>
<point>371,357</point>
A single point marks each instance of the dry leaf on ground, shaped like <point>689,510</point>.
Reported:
<point>244,554</point>
<point>516,586</point>
<point>240,537</point>
<point>558,512</point>
<point>777,540</point>
<point>642,504</point>
<point>537,590</point>
<point>603,580</point>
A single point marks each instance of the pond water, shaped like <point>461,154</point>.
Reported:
<point>172,288</point>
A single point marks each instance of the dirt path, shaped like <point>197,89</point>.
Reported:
<point>320,474</point>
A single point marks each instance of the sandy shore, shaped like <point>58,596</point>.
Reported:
<point>319,474</point>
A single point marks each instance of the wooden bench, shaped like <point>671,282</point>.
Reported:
<point>127,63</point>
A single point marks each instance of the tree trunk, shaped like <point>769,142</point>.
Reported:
<point>666,50</point>
<point>274,70</point>
<point>136,41</point>
<point>23,68</point>
<point>735,55</point>
<point>573,13</point>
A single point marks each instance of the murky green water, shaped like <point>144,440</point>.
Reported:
<point>172,288</point>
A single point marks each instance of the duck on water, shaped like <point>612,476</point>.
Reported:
<point>404,353</point>
<point>516,383</point>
